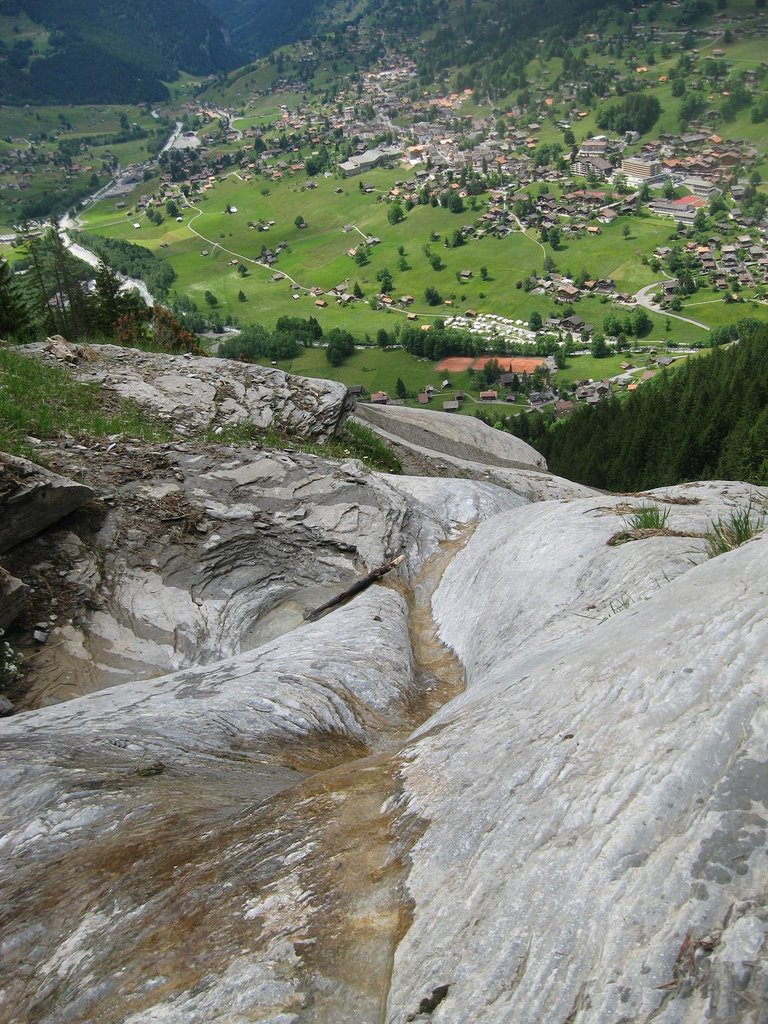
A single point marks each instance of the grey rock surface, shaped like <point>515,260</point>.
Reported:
<point>204,761</point>
<point>442,444</point>
<point>13,598</point>
<point>200,558</point>
<point>521,780</point>
<point>172,780</point>
<point>464,437</point>
<point>595,802</point>
<point>560,575</point>
<point>263,712</point>
<point>196,393</point>
<point>32,498</point>
<point>200,553</point>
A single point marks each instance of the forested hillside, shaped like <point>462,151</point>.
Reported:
<point>459,33</point>
<point>258,26</point>
<point>104,51</point>
<point>706,420</point>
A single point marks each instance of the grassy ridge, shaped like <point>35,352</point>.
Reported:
<point>42,401</point>
<point>38,400</point>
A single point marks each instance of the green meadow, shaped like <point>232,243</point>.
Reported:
<point>40,130</point>
<point>379,369</point>
<point>376,369</point>
<point>317,254</point>
<point>712,310</point>
<point>589,368</point>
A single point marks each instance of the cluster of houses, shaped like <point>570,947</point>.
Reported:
<point>434,137</point>
<point>383,117</point>
<point>438,128</point>
<point>739,261</point>
<point>701,159</point>
<point>583,392</point>
<point>577,211</point>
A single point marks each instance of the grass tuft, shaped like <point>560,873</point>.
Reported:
<point>43,401</point>
<point>737,529</point>
<point>648,517</point>
<point>356,442</point>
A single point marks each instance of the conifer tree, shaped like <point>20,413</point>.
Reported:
<point>15,320</point>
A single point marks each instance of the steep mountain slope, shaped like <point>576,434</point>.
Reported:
<point>261,25</point>
<point>464,31</point>
<point>106,52</point>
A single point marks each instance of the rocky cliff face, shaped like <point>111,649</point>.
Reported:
<point>521,778</point>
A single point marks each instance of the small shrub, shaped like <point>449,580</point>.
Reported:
<point>737,529</point>
<point>370,449</point>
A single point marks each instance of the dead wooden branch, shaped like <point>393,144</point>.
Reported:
<point>356,588</point>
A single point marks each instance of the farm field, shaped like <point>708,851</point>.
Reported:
<point>609,254</point>
<point>376,369</point>
<point>713,311</point>
<point>589,368</point>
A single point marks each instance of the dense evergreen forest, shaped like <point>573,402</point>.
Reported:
<point>105,51</point>
<point>260,26</point>
<point>706,420</point>
<point>461,33</point>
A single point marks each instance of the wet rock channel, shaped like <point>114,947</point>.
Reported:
<point>522,779</point>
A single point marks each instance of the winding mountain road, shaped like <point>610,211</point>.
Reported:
<point>642,298</point>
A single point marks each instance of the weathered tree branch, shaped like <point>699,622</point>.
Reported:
<point>356,588</point>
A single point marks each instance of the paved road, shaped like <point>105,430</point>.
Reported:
<point>643,299</point>
<point>173,137</point>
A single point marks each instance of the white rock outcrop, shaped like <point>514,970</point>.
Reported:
<point>198,554</point>
<point>197,393</point>
<point>596,802</point>
<point>462,436</point>
<point>466,447</point>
